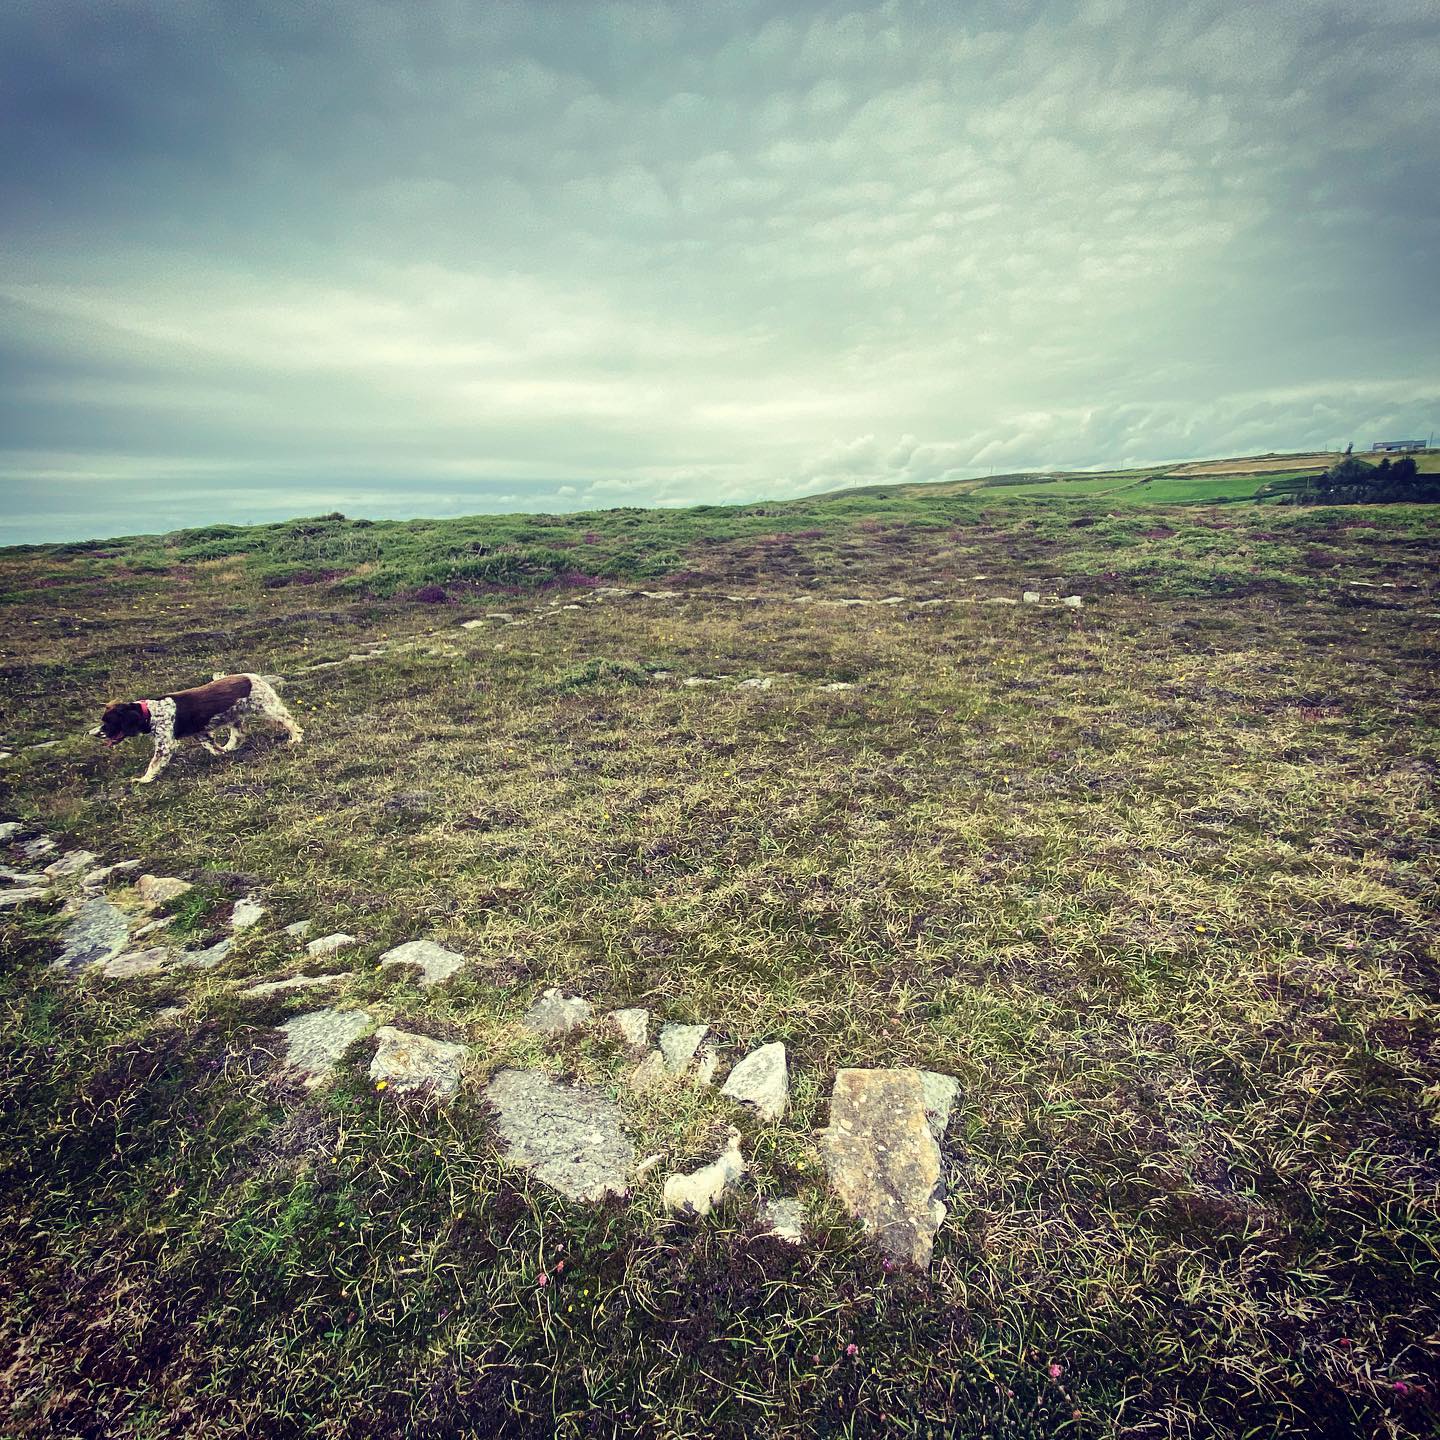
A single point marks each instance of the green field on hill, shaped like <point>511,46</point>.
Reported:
<point>1154,878</point>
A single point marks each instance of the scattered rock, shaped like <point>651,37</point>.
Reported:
<point>24,895</point>
<point>43,745</point>
<point>838,685</point>
<point>706,1064</point>
<point>329,944</point>
<point>299,928</point>
<point>210,957</point>
<point>784,1219</point>
<point>247,912</point>
<point>650,1071</point>
<point>761,1079</point>
<point>70,863</point>
<point>97,879</point>
<point>569,1136</point>
<point>406,1061</point>
<point>633,1025</point>
<point>434,962</point>
<point>150,927</point>
<point>941,1092</point>
<point>138,962</point>
<point>98,932</point>
<point>20,877</point>
<point>883,1161</point>
<point>1031,597</point>
<point>1000,600</point>
<point>473,624</point>
<point>170,1015</point>
<point>700,1191</point>
<point>158,890</point>
<point>693,680</point>
<point>678,1044</point>
<point>553,1014</point>
<point>647,1165</point>
<point>760,682</point>
<point>40,845</point>
<point>315,1041</point>
<point>9,829</point>
<point>1073,601</point>
<point>296,982</point>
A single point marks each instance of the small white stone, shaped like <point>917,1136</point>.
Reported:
<point>678,1044</point>
<point>296,982</point>
<point>247,912</point>
<point>329,944</point>
<point>1073,601</point>
<point>700,1191</point>
<point>556,1014</point>
<point>434,961</point>
<point>1031,597</point>
<point>838,685</point>
<point>784,1219</point>
<point>473,624</point>
<point>157,890</point>
<point>26,895</point>
<point>69,863</point>
<point>633,1025</point>
<point>761,1080</point>
<point>138,962</point>
<point>299,928</point>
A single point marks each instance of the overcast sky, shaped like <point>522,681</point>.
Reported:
<point>270,257</point>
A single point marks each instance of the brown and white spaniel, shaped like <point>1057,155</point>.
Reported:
<point>225,702</point>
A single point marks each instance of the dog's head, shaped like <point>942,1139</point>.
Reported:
<point>122,720</point>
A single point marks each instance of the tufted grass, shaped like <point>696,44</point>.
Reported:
<point>1155,879</point>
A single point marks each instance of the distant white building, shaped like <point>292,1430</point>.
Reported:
<point>1391,446</point>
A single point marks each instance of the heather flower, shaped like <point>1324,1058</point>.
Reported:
<point>1056,1371</point>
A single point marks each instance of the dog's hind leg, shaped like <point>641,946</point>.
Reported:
<point>266,702</point>
<point>237,736</point>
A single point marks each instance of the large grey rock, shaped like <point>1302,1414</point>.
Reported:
<point>70,863</point>
<point>678,1044</point>
<point>23,895</point>
<point>555,1014</point>
<point>158,890</point>
<point>247,912</point>
<point>406,1061</point>
<point>138,962</point>
<point>315,1041</point>
<point>883,1161</point>
<point>434,961</point>
<point>1073,601</point>
<point>762,1080</point>
<point>700,1191</point>
<point>99,932</point>
<point>633,1025</point>
<point>784,1219</point>
<point>569,1136</point>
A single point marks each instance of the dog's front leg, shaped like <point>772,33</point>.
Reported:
<point>164,753</point>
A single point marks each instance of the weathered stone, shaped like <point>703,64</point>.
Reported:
<point>1031,597</point>
<point>158,890</point>
<point>40,845</point>
<point>761,1079</point>
<point>1000,600</point>
<point>554,1014</point>
<point>150,926</point>
<point>649,1072</point>
<point>24,895</point>
<point>759,682</point>
<point>784,1219</point>
<point>247,912</point>
<point>569,1136</point>
<point>98,878</point>
<point>695,680</point>
<point>434,961</point>
<point>70,863</point>
<point>707,1062</point>
<point>21,877</point>
<point>1073,601</point>
<point>315,1041</point>
<point>406,1061</point>
<point>138,962</point>
<point>299,928</point>
<point>633,1025</point>
<point>98,932</point>
<point>883,1161</point>
<point>208,958</point>
<point>474,624</point>
<point>296,982</point>
<point>330,944</point>
<point>835,685</point>
<point>941,1092</point>
<point>678,1044</point>
<point>9,829</point>
<point>700,1191</point>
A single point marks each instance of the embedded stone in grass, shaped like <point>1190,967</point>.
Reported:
<point>296,982</point>
<point>553,1014</point>
<point>70,863</point>
<point>784,1219</point>
<point>99,932</point>
<point>9,829</point>
<point>40,845</point>
<point>316,1040</point>
<point>473,624</point>
<point>836,685</point>
<point>633,1025</point>
<point>1073,601</point>
<point>138,962</point>
<point>434,961</point>
<point>210,957</point>
<point>20,877</point>
<point>762,1080</point>
<point>700,1191</point>
<point>1030,597</point>
<point>569,1136</point>
<point>1000,600</point>
<point>299,928</point>
<point>329,944</point>
<point>97,879</point>
<point>941,1092</point>
<point>406,1061</point>
<point>693,680</point>
<point>649,1072</point>
<point>759,682</point>
<point>247,912</point>
<point>678,1044</point>
<point>883,1161</point>
<point>24,895</point>
<point>158,890</point>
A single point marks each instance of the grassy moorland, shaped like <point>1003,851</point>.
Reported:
<point>1155,878</point>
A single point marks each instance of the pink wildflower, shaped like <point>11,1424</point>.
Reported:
<point>1056,1371</point>
<point>543,1279</point>
<point>852,1349</point>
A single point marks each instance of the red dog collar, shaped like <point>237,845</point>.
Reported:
<point>145,710</point>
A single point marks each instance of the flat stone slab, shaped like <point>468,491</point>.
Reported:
<point>556,1014</point>
<point>678,1044</point>
<point>71,863</point>
<point>941,1092</point>
<point>784,1219</point>
<point>838,685</point>
<point>329,944</point>
<point>296,982</point>
<point>316,1040</point>
<point>25,895</point>
<point>761,1080</point>
<point>883,1161</point>
<point>569,1136</point>
<point>40,845</point>
<point>99,932</point>
<point>210,957</point>
<point>633,1025</point>
<point>157,890</point>
<point>435,962</point>
<point>138,962</point>
<point>247,912</point>
<point>299,928</point>
<point>98,878</point>
<point>407,1061</point>
<point>9,829</point>
<point>700,1191</point>
<point>21,877</point>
